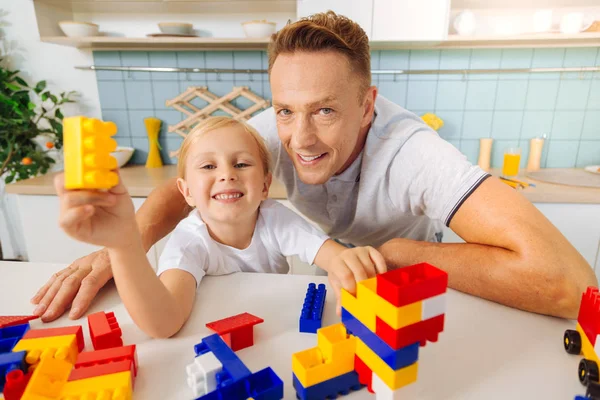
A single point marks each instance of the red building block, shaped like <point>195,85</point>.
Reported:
<point>11,320</point>
<point>410,284</point>
<point>104,330</point>
<point>16,382</point>
<point>365,375</point>
<point>103,369</point>
<point>236,331</point>
<point>589,313</point>
<point>48,332</point>
<point>115,354</point>
<point>423,331</point>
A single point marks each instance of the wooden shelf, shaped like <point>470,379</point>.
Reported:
<point>590,39</point>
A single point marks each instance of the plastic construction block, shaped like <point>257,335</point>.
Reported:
<point>6,345</point>
<point>16,382</point>
<point>312,309</point>
<point>587,349</point>
<point>115,354</point>
<point>261,385</point>
<point>434,306</point>
<point>394,379</point>
<point>103,369</point>
<point>422,332</point>
<point>589,313</point>
<point>113,386</point>
<point>48,379</point>
<point>333,356</point>
<point>237,331</point>
<point>233,368</point>
<point>202,374</point>
<point>328,389</point>
<point>104,330</point>
<point>395,359</point>
<point>87,148</point>
<point>365,375</point>
<point>68,330</point>
<point>11,362</point>
<point>11,320</point>
<point>14,331</point>
<point>59,347</point>
<point>383,392</point>
<point>407,285</point>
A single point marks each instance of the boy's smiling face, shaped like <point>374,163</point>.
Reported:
<point>224,176</point>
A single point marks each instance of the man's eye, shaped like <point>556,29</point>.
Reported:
<point>284,112</point>
<point>326,111</point>
<point>241,165</point>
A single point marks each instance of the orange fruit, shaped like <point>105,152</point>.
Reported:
<point>49,145</point>
<point>26,161</point>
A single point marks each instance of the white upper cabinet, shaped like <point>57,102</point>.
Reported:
<point>422,20</point>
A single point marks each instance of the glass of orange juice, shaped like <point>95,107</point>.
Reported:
<point>512,159</point>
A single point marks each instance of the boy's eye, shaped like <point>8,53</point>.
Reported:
<point>241,165</point>
<point>208,166</point>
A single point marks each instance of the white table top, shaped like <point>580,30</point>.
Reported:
<point>487,351</point>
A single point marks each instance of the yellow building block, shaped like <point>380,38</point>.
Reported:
<point>586,346</point>
<point>358,310</point>
<point>333,356</point>
<point>48,379</point>
<point>393,379</point>
<point>59,347</point>
<point>105,387</point>
<point>395,317</point>
<point>87,148</point>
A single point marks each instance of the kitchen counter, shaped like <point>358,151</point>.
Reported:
<point>486,351</point>
<point>140,181</point>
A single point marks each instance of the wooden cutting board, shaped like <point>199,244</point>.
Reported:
<point>570,177</point>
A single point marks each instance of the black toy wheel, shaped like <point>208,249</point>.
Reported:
<point>588,371</point>
<point>572,342</point>
<point>593,391</point>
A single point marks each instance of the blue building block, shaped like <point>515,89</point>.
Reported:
<point>330,389</point>
<point>9,362</point>
<point>6,345</point>
<point>233,368</point>
<point>261,385</point>
<point>312,309</point>
<point>16,331</point>
<point>395,359</point>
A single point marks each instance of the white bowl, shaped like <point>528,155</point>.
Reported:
<point>258,29</point>
<point>175,28</point>
<point>78,29</point>
<point>123,155</point>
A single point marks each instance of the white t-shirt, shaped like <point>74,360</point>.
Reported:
<point>406,183</point>
<point>279,233</point>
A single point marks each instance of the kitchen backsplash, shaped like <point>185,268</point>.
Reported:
<point>509,107</point>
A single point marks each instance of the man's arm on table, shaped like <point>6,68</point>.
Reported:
<point>513,255</point>
<point>78,284</point>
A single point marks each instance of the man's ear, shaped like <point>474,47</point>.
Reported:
<point>369,106</point>
<point>267,185</point>
<point>185,191</point>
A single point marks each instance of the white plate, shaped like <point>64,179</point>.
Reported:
<point>594,169</point>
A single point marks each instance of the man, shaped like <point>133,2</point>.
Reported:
<point>371,173</point>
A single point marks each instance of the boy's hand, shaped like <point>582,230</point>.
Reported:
<point>103,218</point>
<point>351,266</point>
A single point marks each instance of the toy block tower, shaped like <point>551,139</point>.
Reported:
<point>88,145</point>
<point>391,316</point>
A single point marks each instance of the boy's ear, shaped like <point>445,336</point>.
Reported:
<point>267,185</point>
<point>185,191</point>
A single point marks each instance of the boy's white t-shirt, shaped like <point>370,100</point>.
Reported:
<point>279,233</point>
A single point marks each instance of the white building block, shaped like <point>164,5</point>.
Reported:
<point>202,374</point>
<point>383,392</point>
<point>434,306</point>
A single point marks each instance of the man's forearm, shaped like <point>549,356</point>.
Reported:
<point>160,213</point>
<point>547,285</point>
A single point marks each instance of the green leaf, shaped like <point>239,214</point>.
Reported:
<point>9,179</point>
<point>13,87</point>
<point>21,82</point>
<point>39,88</point>
<point>45,96</point>
<point>58,114</point>
<point>30,106</point>
<point>53,98</point>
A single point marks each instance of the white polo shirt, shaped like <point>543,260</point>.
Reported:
<point>406,183</point>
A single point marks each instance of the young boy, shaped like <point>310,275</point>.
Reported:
<point>224,174</point>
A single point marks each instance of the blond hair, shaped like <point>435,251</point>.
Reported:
<point>326,32</point>
<point>213,123</point>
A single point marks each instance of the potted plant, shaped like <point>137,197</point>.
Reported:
<point>23,123</point>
